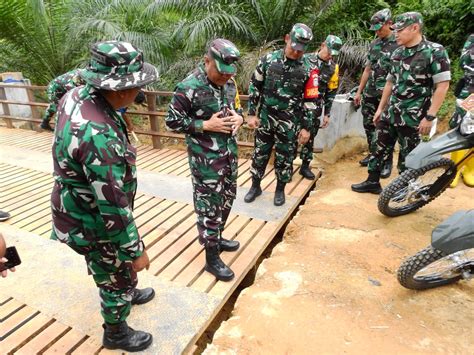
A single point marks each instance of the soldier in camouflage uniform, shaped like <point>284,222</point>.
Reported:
<point>373,80</point>
<point>57,88</point>
<point>204,108</point>
<point>284,117</point>
<point>327,73</point>
<point>416,87</point>
<point>95,184</point>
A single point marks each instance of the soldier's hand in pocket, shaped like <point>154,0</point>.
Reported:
<point>140,263</point>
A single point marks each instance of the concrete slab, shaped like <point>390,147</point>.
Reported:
<point>170,187</point>
<point>53,279</point>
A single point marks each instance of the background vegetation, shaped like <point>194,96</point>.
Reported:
<point>45,38</point>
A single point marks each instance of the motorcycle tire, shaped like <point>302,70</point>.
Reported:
<point>409,275</point>
<point>401,183</point>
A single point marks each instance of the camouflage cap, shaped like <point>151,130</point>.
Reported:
<point>225,54</point>
<point>379,19</point>
<point>300,36</point>
<point>334,44</point>
<point>117,66</point>
<point>406,19</point>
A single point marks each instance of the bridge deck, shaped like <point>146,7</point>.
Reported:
<point>166,221</point>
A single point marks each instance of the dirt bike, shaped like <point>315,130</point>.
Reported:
<point>448,259</point>
<point>428,173</point>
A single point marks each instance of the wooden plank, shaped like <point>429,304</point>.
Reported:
<point>26,197</point>
<point>10,307</point>
<point>15,320</point>
<point>66,343</point>
<point>28,206</point>
<point>44,339</point>
<point>164,164</point>
<point>149,165</point>
<point>205,281</point>
<point>4,299</point>
<point>19,179</point>
<point>24,334</point>
<point>45,229</point>
<point>90,346</point>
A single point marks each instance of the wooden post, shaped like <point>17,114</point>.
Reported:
<point>34,110</point>
<point>6,109</point>
<point>154,124</point>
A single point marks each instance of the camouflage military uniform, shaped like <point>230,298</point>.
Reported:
<point>58,87</point>
<point>467,84</point>
<point>328,83</point>
<point>414,72</point>
<point>95,176</point>
<point>378,58</point>
<point>212,155</point>
<point>278,86</point>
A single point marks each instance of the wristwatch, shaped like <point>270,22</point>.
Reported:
<point>430,117</point>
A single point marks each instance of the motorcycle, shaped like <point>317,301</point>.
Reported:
<point>448,259</point>
<point>428,173</point>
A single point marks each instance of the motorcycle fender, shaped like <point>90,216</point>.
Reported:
<point>455,233</point>
<point>429,152</point>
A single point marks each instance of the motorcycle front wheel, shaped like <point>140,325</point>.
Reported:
<point>431,268</point>
<point>413,188</point>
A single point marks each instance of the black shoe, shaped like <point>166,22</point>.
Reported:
<point>216,266</point>
<point>121,336</point>
<point>228,245</point>
<point>4,216</point>
<point>387,169</point>
<point>142,296</point>
<point>367,186</point>
<point>279,198</point>
<point>254,191</point>
<point>45,125</point>
<point>306,172</point>
<point>365,161</point>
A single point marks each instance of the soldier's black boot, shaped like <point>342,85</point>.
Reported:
<point>45,125</point>
<point>279,198</point>
<point>254,191</point>
<point>228,245</point>
<point>142,296</point>
<point>371,185</point>
<point>121,336</point>
<point>365,161</point>
<point>387,168</point>
<point>215,265</point>
<point>306,172</point>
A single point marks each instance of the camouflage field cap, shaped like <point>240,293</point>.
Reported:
<point>334,44</point>
<point>118,66</point>
<point>406,19</point>
<point>379,19</point>
<point>300,36</point>
<point>225,54</point>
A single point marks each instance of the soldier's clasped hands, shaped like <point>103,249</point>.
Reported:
<point>229,124</point>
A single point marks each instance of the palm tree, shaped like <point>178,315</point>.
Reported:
<point>35,38</point>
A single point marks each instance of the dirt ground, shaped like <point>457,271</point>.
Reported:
<point>331,287</point>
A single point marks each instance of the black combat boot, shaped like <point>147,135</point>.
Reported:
<point>365,161</point>
<point>228,245</point>
<point>121,336</point>
<point>306,172</point>
<point>215,265</point>
<point>142,296</point>
<point>279,198</point>
<point>371,185</point>
<point>254,191</point>
<point>45,125</point>
<point>387,168</point>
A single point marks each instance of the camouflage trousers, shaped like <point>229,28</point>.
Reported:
<point>386,135</point>
<point>214,190</point>
<point>306,153</point>
<point>282,134</point>
<point>114,278</point>
<point>368,108</point>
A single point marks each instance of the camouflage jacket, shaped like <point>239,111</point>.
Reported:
<point>62,84</point>
<point>378,58</point>
<point>328,82</point>
<point>95,176</point>
<point>278,84</point>
<point>194,101</point>
<point>467,60</point>
<point>414,72</point>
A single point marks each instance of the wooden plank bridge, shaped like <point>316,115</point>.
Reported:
<point>35,309</point>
